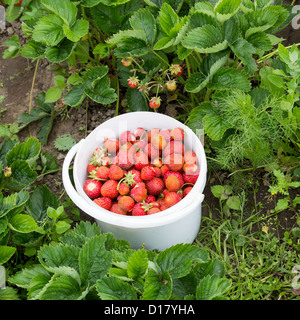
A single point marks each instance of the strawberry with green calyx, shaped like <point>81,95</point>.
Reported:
<point>131,178</point>
<point>100,173</point>
<point>155,103</point>
<point>104,202</point>
<point>126,62</point>
<point>7,172</point>
<point>133,82</point>
<point>138,210</point>
<point>176,70</point>
<point>98,156</point>
<point>153,211</point>
<point>171,85</point>
<point>90,168</point>
<point>92,188</point>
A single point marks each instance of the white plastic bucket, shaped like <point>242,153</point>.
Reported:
<point>178,224</point>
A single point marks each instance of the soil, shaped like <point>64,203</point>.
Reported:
<point>16,77</point>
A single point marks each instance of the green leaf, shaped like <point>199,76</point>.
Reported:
<point>92,76</point>
<point>37,285</point>
<point>77,31</point>
<point>137,264</point>
<point>168,18</point>
<point>64,142</point>
<point>66,10</point>
<point>132,46</point>
<point>53,94</point>
<point>102,93</point>
<point>260,40</point>
<point>282,204</point>
<point>234,203</point>
<point>13,45</point>
<point>22,223</point>
<point>144,21</point>
<point>157,286</point>
<point>75,96</point>
<point>62,226</point>
<point>137,101</point>
<point>164,43</point>
<point>33,50</point>
<point>206,39</point>
<point>13,204</point>
<point>9,293</point>
<point>211,267</point>
<point>48,30</point>
<point>94,260</point>
<point>225,9</point>
<point>61,52</point>
<point>215,125</point>
<point>90,3</point>
<point>112,288</point>
<point>39,201</point>
<point>6,253</point>
<point>196,82</point>
<point>212,287</point>
<point>178,259</point>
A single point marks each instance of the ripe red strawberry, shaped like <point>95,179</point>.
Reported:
<point>150,198</point>
<point>133,177</point>
<point>139,192</point>
<point>155,102</point>
<point>140,133</point>
<point>171,85</point>
<point>191,169</point>
<point>153,210</point>
<point>126,203</point>
<point>126,62</point>
<point>90,168</point>
<point>151,133</point>
<point>115,172</point>
<point>166,133</point>
<point>151,152</point>
<point>126,146</point>
<point>92,188</point>
<point>186,191</point>
<point>112,145</point>
<point>97,157</point>
<point>157,172</point>
<point>190,157</point>
<point>177,134</point>
<point>133,82</point>
<point>155,186</point>
<point>140,160</point>
<point>178,175</point>
<point>125,159</point>
<point>138,210</point>
<point>176,70</point>
<point>106,161</point>
<point>175,161</point>
<point>172,183</point>
<point>190,178</point>
<point>123,189</point>
<point>104,202</point>
<point>127,136</point>
<point>157,162</point>
<point>140,144</point>
<point>158,141</point>
<point>147,173</point>
<point>110,189</point>
<point>174,146</point>
<point>101,173</point>
<point>116,209</point>
<point>171,199</point>
<point>164,169</point>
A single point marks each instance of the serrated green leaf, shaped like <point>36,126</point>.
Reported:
<point>137,264</point>
<point>206,39</point>
<point>157,286</point>
<point>225,9</point>
<point>215,125</point>
<point>102,93</point>
<point>75,96</point>
<point>196,82</point>
<point>132,46</point>
<point>93,75</point>
<point>260,40</point>
<point>112,288</point>
<point>168,18</point>
<point>61,52</point>
<point>9,293</point>
<point>48,30</point>
<point>22,223</point>
<point>164,43</point>
<point>6,253</point>
<point>137,101</point>
<point>77,31</point>
<point>13,45</point>
<point>14,203</point>
<point>64,142</point>
<point>212,287</point>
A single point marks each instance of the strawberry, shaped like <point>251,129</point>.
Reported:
<point>171,85</point>
<point>140,144</point>
<point>123,189</point>
<point>141,160</point>
<point>155,186</point>
<point>153,210</point>
<point>139,192</point>
<point>110,189</point>
<point>140,133</point>
<point>127,136</point>
<point>147,173</point>
<point>174,161</point>
<point>166,133</point>
<point>190,178</point>
<point>115,172</point>
<point>177,134</point>
<point>101,173</point>
<point>190,157</point>
<point>126,146</point>
<point>133,177</point>
<point>191,169</point>
<point>112,145</point>
<point>157,162</point>
<point>172,183</point>
<point>151,152</point>
<point>174,146</point>
<point>126,203</point>
<point>151,133</point>
<point>92,188</point>
<point>178,175</point>
<point>126,62</point>
<point>186,191</point>
<point>90,168</point>
<point>138,210</point>
<point>155,102</point>
<point>106,161</point>
<point>97,157</point>
<point>164,169</point>
<point>116,209</point>
<point>133,82</point>
<point>176,70</point>
<point>157,172</point>
<point>103,202</point>
<point>150,198</point>
<point>158,142</point>
<point>171,199</point>
<point>125,159</point>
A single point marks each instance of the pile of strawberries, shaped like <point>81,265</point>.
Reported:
<point>141,173</point>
